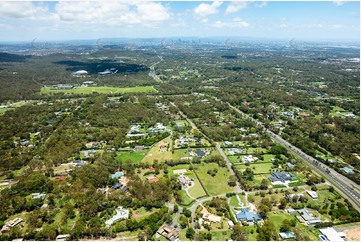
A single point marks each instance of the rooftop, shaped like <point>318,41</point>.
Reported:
<point>121,214</point>
<point>281,176</point>
<point>332,234</point>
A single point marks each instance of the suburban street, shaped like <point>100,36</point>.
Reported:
<point>344,186</point>
<point>229,165</point>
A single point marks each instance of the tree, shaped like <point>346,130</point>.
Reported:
<point>239,233</point>
<point>175,208</point>
<point>232,180</point>
<point>267,231</point>
<point>264,184</point>
<point>190,233</point>
<point>283,203</point>
<point>286,225</point>
<point>187,212</point>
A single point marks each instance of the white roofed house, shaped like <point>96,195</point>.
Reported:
<point>121,214</point>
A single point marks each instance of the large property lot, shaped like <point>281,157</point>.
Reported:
<point>217,184</point>
<point>100,89</point>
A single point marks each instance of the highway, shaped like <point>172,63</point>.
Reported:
<point>347,188</point>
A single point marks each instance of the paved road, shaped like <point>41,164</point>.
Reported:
<point>344,186</point>
<point>152,73</point>
<point>202,200</point>
<point>228,163</point>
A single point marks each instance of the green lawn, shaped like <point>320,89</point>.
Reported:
<point>217,184</point>
<point>234,201</point>
<point>278,218</point>
<point>221,235</point>
<point>101,89</point>
<point>268,157</point>
<point>234,159</point>
<point>197,190</point>
<point>179,153</point>
<point>257,179</point>
<point>135,156</point>
<point>185,198</point>
<point>258,168</point>
<point>155,153</point>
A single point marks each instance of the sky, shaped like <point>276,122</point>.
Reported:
<point>81,20</point>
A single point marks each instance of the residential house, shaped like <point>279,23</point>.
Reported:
<point>246,215</point>
<point>92,145</point>
<point>249,158</point>
<point>308,217</point>
<point>60,178</point>
<point>163,144</point>
<point>287,235</point>
<point>332,234</point>
<point>228,143</point>
<point>168,232</point>
<point>200,153</point>
<point>153,180</point>
<point>312,194</point>
<point>281,176</point>
<point>38,195</point>
<point>89,153</point>
<point>121,214</point>
<point>10,224</point>
<point>184,180</point>
<point>233,151</point>
<point>134,129</point>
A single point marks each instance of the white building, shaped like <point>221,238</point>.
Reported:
<point>249,158</point>
<point>121,214</point>
<point>332,234</point>
<point>312,194</point>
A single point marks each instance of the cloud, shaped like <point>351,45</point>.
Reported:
<point>236,6</point>
<point>338,3</point>
<point>236,23</point>
<point>91,12</point>
<point>23,10</point>
<point>112,13</point>
<point>283,25</point>
<point>260,4</point>
<point>203,9</point>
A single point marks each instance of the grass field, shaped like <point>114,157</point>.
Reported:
<point>135,156</point>
<point>217,184</point>
<point>185,198</point>
<point>259,168</point>
<point>102,89</point>
<point>179,153</point>
<point>197,190</point>
<point>234,159</point>
<point>234,201</point>
<point>156,153</point>
<point>221,235</point>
